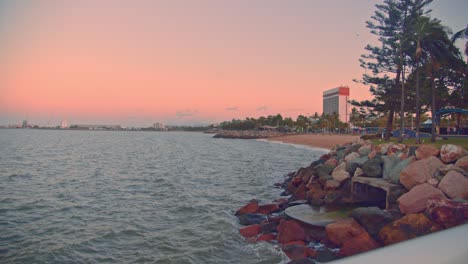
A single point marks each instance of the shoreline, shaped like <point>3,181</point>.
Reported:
<point>323,141</point>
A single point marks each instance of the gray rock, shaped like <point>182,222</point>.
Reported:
<point>392,167</point>
<point>251,219</point>
<point>356,163</point>
<point>353,148</point>
<point>372,219</point>
<point>323,170</point>
<point>372,168</point>
<point>340,154</point>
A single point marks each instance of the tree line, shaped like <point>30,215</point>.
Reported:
<point>415,67</point>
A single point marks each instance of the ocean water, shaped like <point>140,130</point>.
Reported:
<point>135,197</point>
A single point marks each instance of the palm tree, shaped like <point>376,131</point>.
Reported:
<point>440,52</point>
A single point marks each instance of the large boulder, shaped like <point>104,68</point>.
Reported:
<point>454,185</point>
<point>393,166</point>
<point>372,168</point>
<point>419,172</point>
<point>352,165</point>
<point>415,200</point>
<point>462,163</point>
<point>365,150</point>
<point>372,219</point>
<point>297,250</point>
<point>340,174</point>
<point>447,213</point>
<point>451,167</point>
<point>350,237</point>
<point>268,208</point>
<point>325,169</point>
<point>353,148</point>
<point>300,192</point>
<point>351,156</point>
<point>250,231</point>
<point>249,208</point>
<point>407,227</point>
<point>450,153</point>
<point>290,231</point>
<point>426,151</point>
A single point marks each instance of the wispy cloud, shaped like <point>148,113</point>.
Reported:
<point>186,113</point>
<point>234,108</point>
<point>262,108</point>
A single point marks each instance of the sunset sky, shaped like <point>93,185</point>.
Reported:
<point>181,62</point>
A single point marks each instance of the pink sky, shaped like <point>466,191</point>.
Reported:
<point>181,62</point>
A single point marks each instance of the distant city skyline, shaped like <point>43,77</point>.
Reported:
<point>177,62</point>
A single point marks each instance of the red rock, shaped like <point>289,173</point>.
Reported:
<point>268,208</point>
<point>250,208</point>
<point>331,185</point>
<point>266,237</point>
<point>332,162</point>
<point>300,193</point>
<point>454,185</point>
<point>450,153</point>
<point>298,251</point>
<point>350,236</point>
<point>419,172</point>
<point>462,163</point>
<point>415,200</point>
<point>426,151</point>
<point>447,213</point>
<point>296,242</point>
<point>296,181</point>
<point>314,195</point>
<point>290,231</point>
<point>407,227</point>
<point>373,154</point>
<point>250,231</point>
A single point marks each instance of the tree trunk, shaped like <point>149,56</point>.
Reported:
<point>433,110</point>
<point>389,124</point>
<point>418,111</point>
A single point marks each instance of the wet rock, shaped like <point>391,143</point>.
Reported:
<point>454,185</point>
<point>290,231</point>
<point>351,156</point>
<point>340,174</point>
<point>326,255</point>
<point>419,172</point>
<point>340,154</point>
<point>426,151</point>
<point>297,250</point>
<point>302,261</point>
<point>251,218</point>
<point>250,231</point>
<point>450,153</point>
<point>268,227</point>
<point>266,237</point>
<point>350,236</point>
<point>300,193</point>
<point>415,200</point>
<point>372,168</point>
<point>251,207</point>
<point>407,227</point>
<point>372,219</point>
<point>447,213</point>
<point>268,208</point>
<point>462,163</point>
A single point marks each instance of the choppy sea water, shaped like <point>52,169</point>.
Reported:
<point>135,197</point>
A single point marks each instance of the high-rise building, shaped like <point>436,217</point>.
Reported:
<point>336,101</point>
<point>64,124</point>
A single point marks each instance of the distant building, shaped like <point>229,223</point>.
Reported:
<point>64,124</point>
<point>25,124</point>
<point>97,127</point>
<point>336,101</point>
<point>159,126</point>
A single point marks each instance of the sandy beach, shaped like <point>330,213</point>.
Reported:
<point>316,140</point>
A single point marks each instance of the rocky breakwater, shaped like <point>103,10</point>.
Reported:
<point>395,192</point>
<point>248,134</point>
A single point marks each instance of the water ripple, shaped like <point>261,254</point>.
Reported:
<point>134,197</point>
